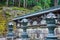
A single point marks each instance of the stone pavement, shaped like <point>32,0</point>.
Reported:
<point>2,38</point>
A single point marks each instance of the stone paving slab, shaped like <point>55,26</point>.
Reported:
<point>18,39</point>
<point>2,38</point>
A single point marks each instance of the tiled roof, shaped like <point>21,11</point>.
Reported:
<point>52,9</point>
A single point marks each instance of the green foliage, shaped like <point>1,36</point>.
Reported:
<point>21,2</point>
<point>16,8</point>
<point>2,23</point>
<point>44,3</point>
<point>7,14</point>
<point>52,3</point>
<point>10,2</point>
<point>2,2</point>
<point>35,8</point>
<point>31,3</point>
<point>0,8</point>
<point>58,2</point>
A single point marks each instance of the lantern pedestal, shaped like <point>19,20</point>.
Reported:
<point>24,35</point>
<point>51,37</point>
<point>51,26</point>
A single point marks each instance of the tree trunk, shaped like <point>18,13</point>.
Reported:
<point>37,0</point>
<point>7,2</point>
<point>0,0</point>
<point>13,2</point>
<point>55,2</point>
<point>24,4</point>
<point>19,3</point>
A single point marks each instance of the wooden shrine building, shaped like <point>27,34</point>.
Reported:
<point>40,15</point>
<point>37,19</point>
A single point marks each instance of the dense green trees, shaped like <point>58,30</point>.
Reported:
<point>26,3</point>
<point>2,2</point>
<point>30,3</point>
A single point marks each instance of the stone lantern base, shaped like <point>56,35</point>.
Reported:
<point>51,37</point>
<point>9,38</point>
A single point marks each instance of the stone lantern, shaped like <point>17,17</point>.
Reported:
<point>51,25</point>
<point>10,34</point>
<point>24,35</point>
